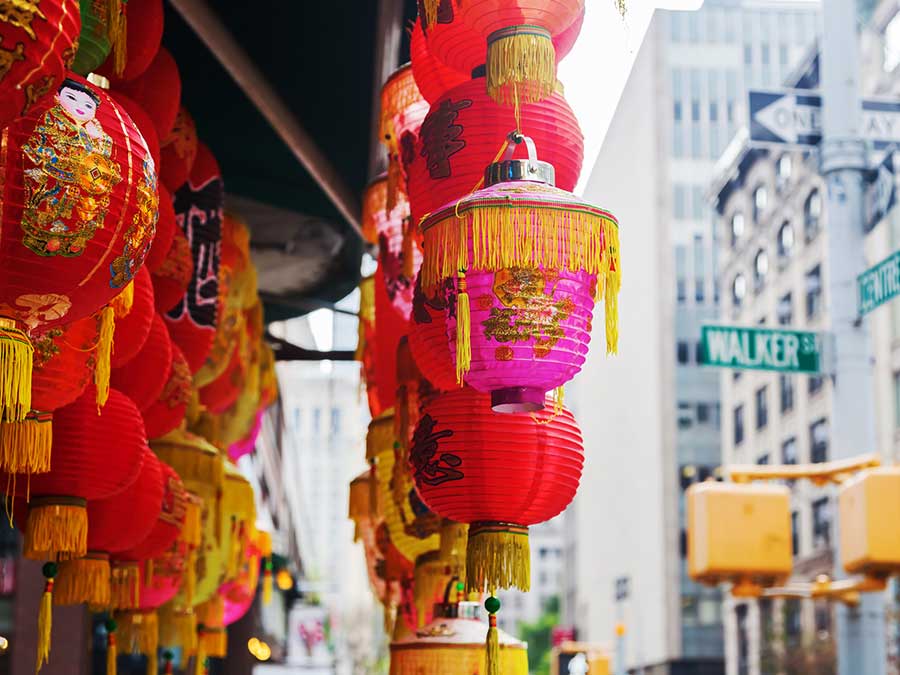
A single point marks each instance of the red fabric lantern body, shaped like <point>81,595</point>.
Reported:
<point>390,326</point>
<point>221,393</point>
<point>63,363</point>
<point>398,274</point>
<point>133,328</point>
<point>429,338</point>
<point>500,473</point>
<point>73,240</point>
<point>143,378</point>
<point>158,91</point>
<point>165,231</point>
<point>198,212</point>
<point>140,117</point>
<point>433,77</point>
<point>179,150</point>
<point>167,412</point>
<point>171,279</point>
<point>464,131</point>
<point>38,45</point>
<point>144,34</point>
<point>167,522</point>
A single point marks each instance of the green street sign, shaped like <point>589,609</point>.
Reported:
<point>787,351</point>
<point>879,284</point>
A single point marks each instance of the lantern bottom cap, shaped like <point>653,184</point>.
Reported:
<point>517,400</point>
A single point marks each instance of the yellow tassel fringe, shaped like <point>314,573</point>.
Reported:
<point>111,654</point>
<point>56,529</point>
<point>25,446</point>
<point>124,301</point>
<point>214,642</point>
<point>125,586</point>
<point>45,625</point>
<point>521,64</point>
<point>412,659</point>
<point>492,648</point>
<point>267,586</point>
<point>117,32</point>
<point>497,556</point>
<point>104,352</point>
<point>16,358</point>
<point>84,580</point>
<point>431,9</point>
<point>463,329</point>
<point>178,629</point>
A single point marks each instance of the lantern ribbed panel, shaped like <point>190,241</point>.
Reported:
<point>37,66</point>
<point>168,575</point>
<point>198,210</point>
<point>123,520</point>
<point>84,463</point>
<point>172,278</point>
<point>565,40</point>
<point>93,41</point>
<point>143,378</point>
<point>169,409</point>
<point>179,150</point>
<point>167,521</point>
<point>487,16</point>
<point>429,339</point>
<point>158,91</point>
<point>144,124</point>
<point>390,326</point>
<point>223,392</point>
<point>143,37</point>
<point>373,205</point>
<point>451,40</point>
<point>133,328</point>
<point>67,255</point>
<point>63,363</point>
<point>471,464</point>
<point>165,231</point>
<point>463,133</point>
<point>433,77</point>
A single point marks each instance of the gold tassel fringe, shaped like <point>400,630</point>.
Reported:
<point>497,556</point>
<point>104,351</point>
<point>411,659</point>
<point>521,65</point>
<point>178,629</point>
<point>190,577</point>
<point>492,648</point>
<point>214,642</point>
<point>117,32</point>
<point>430,8</point>
<point>56,528</point>
<point>125,585</point>
<point>463,329</point>
<point>453,541</point>
<point>16,358</point>
<point>45,617</point>
<point>111,653</point>
<point>84,580</point>
<point>613,282</point>
<point>124,301</point>
<point>25,446</point>
<point>138,632</point>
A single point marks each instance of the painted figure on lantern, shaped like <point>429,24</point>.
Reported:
<point>139,236</point>
<point>21,15</point>
<point>69,175</point>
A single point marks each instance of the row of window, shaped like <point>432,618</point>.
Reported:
<point>316,420</point>
<point>818,443</point>
<point>698,413</point>
<point>704,103</point>
<point>812,218</point>
<point>728,24</point>
<point>785,312</point>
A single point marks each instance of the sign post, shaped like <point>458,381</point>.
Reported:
<point>757,348</point>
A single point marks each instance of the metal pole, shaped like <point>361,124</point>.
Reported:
<point>860,630</point>
<point>620,640</point>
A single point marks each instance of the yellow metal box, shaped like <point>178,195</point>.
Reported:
<point>739,533</point>
<point>869,507</point>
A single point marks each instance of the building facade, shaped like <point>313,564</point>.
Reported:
<point>684,100</point>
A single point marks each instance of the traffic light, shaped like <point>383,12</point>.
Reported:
<point>869,512</point>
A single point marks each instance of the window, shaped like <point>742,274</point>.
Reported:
<point>748,55</point>
<point>675,26</point>
<point>738,290</point>
<point>676,110</point>
<point>785,241</point>
<point>813,292</point>
<point>792,626</point>
<point>763,459</point>
<point>818,441</point>
<point>786,389</point>
<point>789,451</point>
<point>762,407</point>
<point>783,57</point>
<point>682,352</point>
<point>679,201</point>
<point>814,384</point>
<point>699,269</point>
<point>821,515</point>
<point>795,533</point>
<point>681,273</point>
<point>685,415</point>
<point>812,215</point>
<point>698,352</point>
<point>760,202</point>
<point>823,617</point>
<point>317,419</point>
<point>739,425</point>
<point>694,27</point>
<point>297,419</point>
<point>698,203</point>
<point>785,310</point>
<point>737,227</point>
<point>760,269</point>
<point>702,413</point>
<point>783,170</point>
<point>335,421</point>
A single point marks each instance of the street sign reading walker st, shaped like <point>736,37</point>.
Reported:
<point>879,284</point>
<point>794,117</point>
<point>789,351</point>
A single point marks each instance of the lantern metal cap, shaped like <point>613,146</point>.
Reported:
<point>508,169</point>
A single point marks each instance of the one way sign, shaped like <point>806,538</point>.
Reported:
<point>794,117</point>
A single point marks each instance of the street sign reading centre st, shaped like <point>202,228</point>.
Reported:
<point>879,284</point>
<point>794,117</point>
<point>788,351</point>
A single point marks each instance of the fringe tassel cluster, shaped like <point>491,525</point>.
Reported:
<point>104,352</point>
<point>521,65</point>
<point>16,359</point>
<point>111,651</point>
<point>56,528</point>
<point>45,616</point>
<point>25,446</point>
<point>125,585</point>
<point>84,580</point>
<point>118,33</point>
<point>492,647</point>
<point>497,556</point>
<point>432,659</point>
<point>124,301</point>
<point>463,329</point>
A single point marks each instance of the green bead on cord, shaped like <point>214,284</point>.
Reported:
<point>50,570</point>
<point>492,605</point>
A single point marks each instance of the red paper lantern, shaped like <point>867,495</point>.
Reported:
<point>390,326</point>
<point>37,46</point>
<point>133,328</point>
<point>179,150</point>
<point>198,212</point>
<point>433,77</point>
<point>519,36</point>
<point>429,339</point>
<point>167,412</point>
<point>168,519</point>
<point>399,259</point>
<point>158,91</point>
<point>499,473</point>
<point>144,124</point>
<point>84,466</point>
<point>143,36</point>
<point>172,278</point>
<point>143,378</point>
<point>74,238</point>
<point>465,130</point>
<point>402,112</point>
<point>221,393</point>
<point>165,231</point>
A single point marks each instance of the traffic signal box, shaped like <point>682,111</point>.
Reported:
<point>869,515</point>
<point>739,533</point>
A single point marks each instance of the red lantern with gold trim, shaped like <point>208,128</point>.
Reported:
<point>172,278</point>
<point>433,77</point>
<point>402,112</point>
<point>198,212</point>
<point>179,150</point>
<point>167,412</point>
<point>79,213</point>
<point>143,378</point>
<point>142,119</point>
<point>133,328</point>
<point>158,91</point>
<point>165,231</point>
<point>390,326</point>
<point>429,339</point>
<point>499,473</point>
<point>37,45</point>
